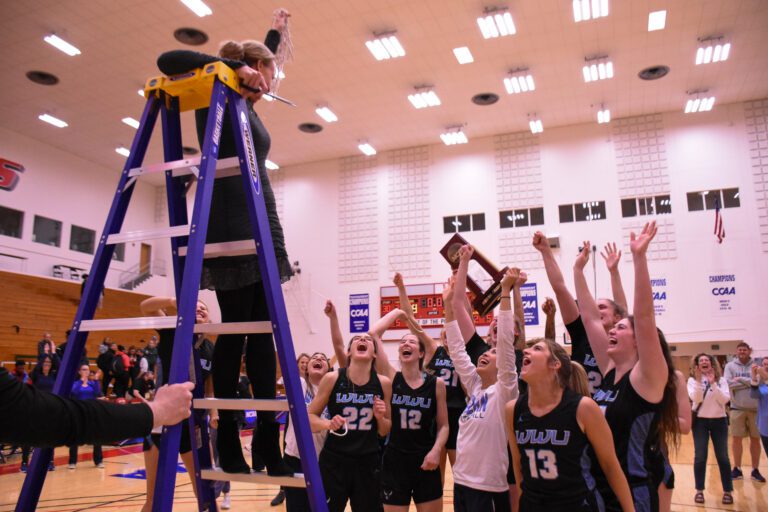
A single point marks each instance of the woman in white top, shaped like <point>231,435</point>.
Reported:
<point>480,473</point>
<point>709,393</point>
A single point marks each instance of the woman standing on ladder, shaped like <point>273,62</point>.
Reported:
<point>237,280</point>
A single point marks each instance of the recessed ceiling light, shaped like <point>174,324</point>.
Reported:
<point>454,135</point>
<point>190,36</point>
<point>496,23</point>
<point>603,116</point>
<point>424,97</point>
<point>198,7</point>
<point>385,46</point>
<point>536,125</point>
<point>272,166</point>
<point>326,114</point>
<point>519,81</point>
<point>584,10</point>
<point>654,72</point>
<point>597,68</point>
<point>42,77</point>
<point>657,20</point>
<point>366,148</point>
<point>712,50</point>
<point>62,45</point>
<point>463,55</point>
<point>120,150</point>
<point>485,98</point>
<point>58,123</point>
<point>699,103</point>
<point>131,122</point>
<point>310,127</point>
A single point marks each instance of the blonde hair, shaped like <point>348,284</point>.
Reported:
<point>249,51</point>
<point>571,374</point>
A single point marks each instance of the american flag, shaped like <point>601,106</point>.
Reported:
<point>719,229</point>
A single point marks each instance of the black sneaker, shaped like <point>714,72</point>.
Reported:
<point>757,477</point>
<point>23,467</point>
<point>736,474</point>
<point>279,499</point>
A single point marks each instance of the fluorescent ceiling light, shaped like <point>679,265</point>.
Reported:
<point>272,166</point>
<point>424,98</point>
<point>712,53</point>
<point>455,136</point>
<point>657,20</point>
<point>58,123</point>
<point>62,45</point>
<point>536,126</point>
<point>603,116</point>
<point>584,10</point>
<point>519,83</point>
<point>367,149</point>
<point>463,55</point>
<point>597,70</point>
<point>131,122</point>
<point>326,114</point>
<point>385,46</point>
<point>699,105</point>
<point>198,7</point>
<point>496,23</point>
<point>120,150</point>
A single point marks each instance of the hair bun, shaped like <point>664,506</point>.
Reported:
<point>232,50</point>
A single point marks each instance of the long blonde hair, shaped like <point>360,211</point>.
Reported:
<point>249,51</point>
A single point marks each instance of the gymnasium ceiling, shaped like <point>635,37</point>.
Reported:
<point>120,40</point>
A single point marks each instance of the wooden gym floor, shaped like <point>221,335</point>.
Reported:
<point>116,487</point>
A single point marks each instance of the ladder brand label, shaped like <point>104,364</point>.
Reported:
<point>217,128</point>
<point>249,150</point>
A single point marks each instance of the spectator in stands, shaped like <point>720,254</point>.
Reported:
<point>143,363</point>
<point>47,340</point>
<point>738,374</point>
<point>20,372</point>
<point>760,392</point>
<point>145,385</point>
<point>120,369</point>
<point>104,363</point>
<point>134,369</point>
<point>150,352</point>
<point>85,389</point>
<point>49,353</point>
<point>43,377</point>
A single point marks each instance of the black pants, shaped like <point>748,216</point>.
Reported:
<point>466,499</point>
<point>246,304</point>
<point>353,479</point>
<point>106,377</point>
<point>296,499</point>
<point>121,385</point>
<point>97,454</point>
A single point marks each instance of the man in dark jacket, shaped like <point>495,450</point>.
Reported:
<point>104,363</point>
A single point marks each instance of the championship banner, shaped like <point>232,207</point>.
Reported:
<point>530,298</point>
<point>359,312</point>
<point>660,295</point>
<point>722,293</point>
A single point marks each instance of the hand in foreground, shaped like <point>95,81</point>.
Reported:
<point>611,257</point>
<point>172,404</point>
<point>583,257</point>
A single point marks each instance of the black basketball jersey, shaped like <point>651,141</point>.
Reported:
<point>633,422</point>
<point>355,404</point>
<point>553,452</point>
<point>414,413</point>
<point>581,352</point>
<point>441,366</point>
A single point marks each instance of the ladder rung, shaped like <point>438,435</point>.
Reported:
<point>254,478</point>
<point>238,248</point>
<point>183,166</point>
<point>169,322</point>
<point>240,404</point>
<point>148,234</point>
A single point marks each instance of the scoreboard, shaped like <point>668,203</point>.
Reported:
<point>426,301</point>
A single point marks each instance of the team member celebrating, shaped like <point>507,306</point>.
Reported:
<point>550,429</point>
<point>638,393</point>
<point>480,472</point>
<point>358,401</point>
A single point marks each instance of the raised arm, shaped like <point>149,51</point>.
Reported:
<point>651,365</point>
<point>549,310</point>
<point>612,258</point>
<point>430,346</point>
<point>336,338</point>
<point>383,366</point>
<point>505,347</point>
<point>385,322</point>
<point>568,308</point>
<point>517,299</point>
<point>460,310</point>
<point>156,306</point>
<point>590,315</point>
<point>456,345</point>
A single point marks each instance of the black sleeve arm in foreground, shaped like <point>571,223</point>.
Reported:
<point>180,61</point>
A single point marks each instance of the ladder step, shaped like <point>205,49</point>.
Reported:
<point>238,248</point>
<point>240,404</point>
<point>169,322</point>
<point>254,478</point>
<point>148,234</point>
<point>224,167</point>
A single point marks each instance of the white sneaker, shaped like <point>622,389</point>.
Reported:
<point>225,503</point>
<point>72,466</point>
<point>100,465</point>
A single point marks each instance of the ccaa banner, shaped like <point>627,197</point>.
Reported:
<point>722,292</point>
<point>359,309</point>
<point>660,295</point>
<point>530,303</point>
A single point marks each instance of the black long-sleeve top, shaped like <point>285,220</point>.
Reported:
<point>36,418</point>
<point>229,220</point>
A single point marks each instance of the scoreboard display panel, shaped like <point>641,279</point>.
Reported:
<point>426,302</point>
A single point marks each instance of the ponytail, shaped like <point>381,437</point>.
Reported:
<point>579,382</point>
